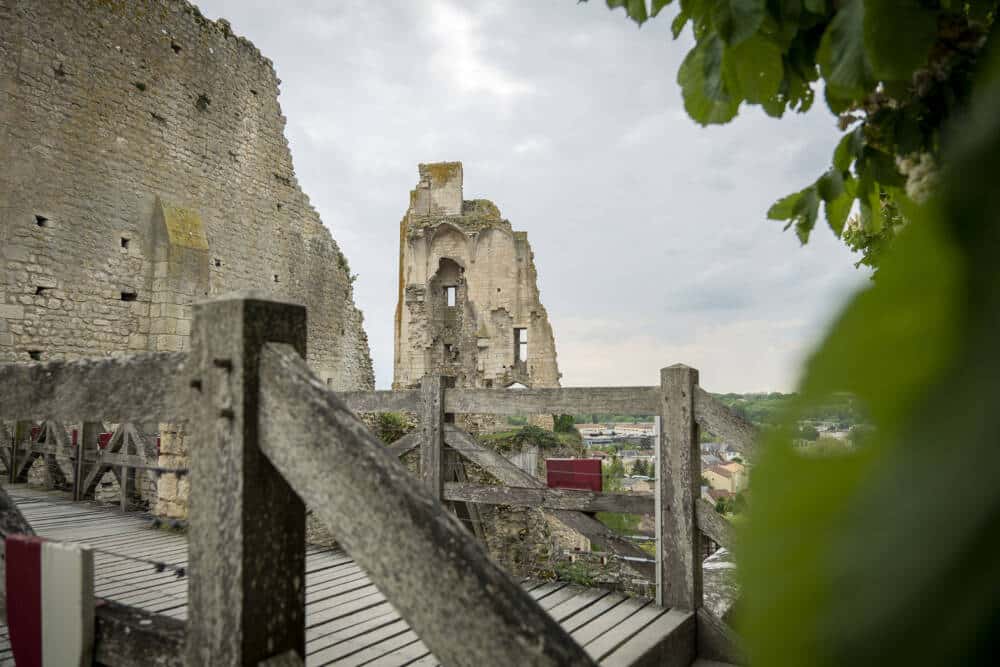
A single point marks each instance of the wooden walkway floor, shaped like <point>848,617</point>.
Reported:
<point>348,621</point>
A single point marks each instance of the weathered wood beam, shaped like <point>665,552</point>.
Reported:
<point>720,421</point>
<point>403,400</point>
<point>555,499</point>
<point>442,581</point>
<point>406,444</point>
<point>714,524</point>
<point>246,527</point>
<point>508,473</point>
<point>130,636</point>
<point>717,641</point>
<point>143,388</point>
<point>432,442</point>
<point>466,512</point>
<point>678,478</point>
<point>569,400</point>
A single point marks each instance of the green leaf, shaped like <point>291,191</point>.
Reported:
<point>830,185</point>
<point>806,211</point>
<point>706,99</point>
<point>657,6</point>
<point>838,208</point>
<point>754,68</point>
<point>849,148</point>
<point>898,35</point>
<point>842,57</point>
<point>837,212</point>
<point>800,209</point>
<point>737,20</point>
<point>677,26</point>
<point>784,208</point>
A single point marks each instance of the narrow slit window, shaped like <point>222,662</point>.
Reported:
<point>35,355</point>
<point>130,296</point>
<point>451,294</point>
<point>41,221</point>
<point>125,242</point>
<point>520,344</point>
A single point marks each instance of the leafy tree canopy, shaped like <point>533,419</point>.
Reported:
<point>893,71</point>
<point>880,555</point>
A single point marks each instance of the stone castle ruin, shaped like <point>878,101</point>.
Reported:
<point>143,166</point>
<point>469,307</point>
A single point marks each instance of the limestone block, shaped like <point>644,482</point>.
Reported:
<point>137,342</point>
<point>12,312</point>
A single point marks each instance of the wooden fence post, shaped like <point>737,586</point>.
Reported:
<point>246,587</point>
<point>678,465</point>
<point>88,438</point>
<point>432,422</point>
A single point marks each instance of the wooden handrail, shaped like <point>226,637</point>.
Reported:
<point>505,471</point>
<point>713,416</point>
<point>553,499</point>
<point>438,576</point>
<point>400,400</point>
<point>635,401</point>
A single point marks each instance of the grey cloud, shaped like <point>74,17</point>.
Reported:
<point>649,232</point>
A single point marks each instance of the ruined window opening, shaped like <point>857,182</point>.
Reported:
<point>36,355</point>
<point>41,290</point>
<point>130,296</point>
<point>41,221</point>
<point>451,294</point>
<point>175,46</point>
<point>520,344</point>
<point>275,277</point>
<point>125,241</point>
<point>218,262</point>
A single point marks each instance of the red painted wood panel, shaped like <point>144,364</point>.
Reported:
<point>24,598</point>
<point>574,474</point>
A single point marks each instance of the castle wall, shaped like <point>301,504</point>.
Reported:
<point>143,166</point>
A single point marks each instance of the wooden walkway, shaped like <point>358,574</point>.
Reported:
<point>348,621</point>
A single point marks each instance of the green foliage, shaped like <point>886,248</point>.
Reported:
<point>882,553</point>
<point>895,72</point>
<point>735,505</point>
<point>563,423</point>
<point>577,573</point>
<point>806,432</point>
<point>391,426</point>
<point>526,435</point>
<point>889,541</point>
<point>642,467</point>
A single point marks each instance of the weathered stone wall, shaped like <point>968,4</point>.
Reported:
<point>447,242</point>
<point>143,166</point>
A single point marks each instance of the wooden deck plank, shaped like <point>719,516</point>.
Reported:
<point>354,629</point>
<point>348,619</point>
<point>588,614</point>
<point>598,626</point>
<point>668,641</point>
<point>341,650</point>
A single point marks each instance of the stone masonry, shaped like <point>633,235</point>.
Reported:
<point>143,166</point>
<point>468,303</point>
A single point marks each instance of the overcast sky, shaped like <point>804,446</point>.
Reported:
<point>649,232</point>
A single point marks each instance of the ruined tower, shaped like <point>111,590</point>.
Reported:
<point>468,304</point>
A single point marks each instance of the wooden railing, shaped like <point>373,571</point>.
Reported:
<point>126,453</point>
<point>267,438</point>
